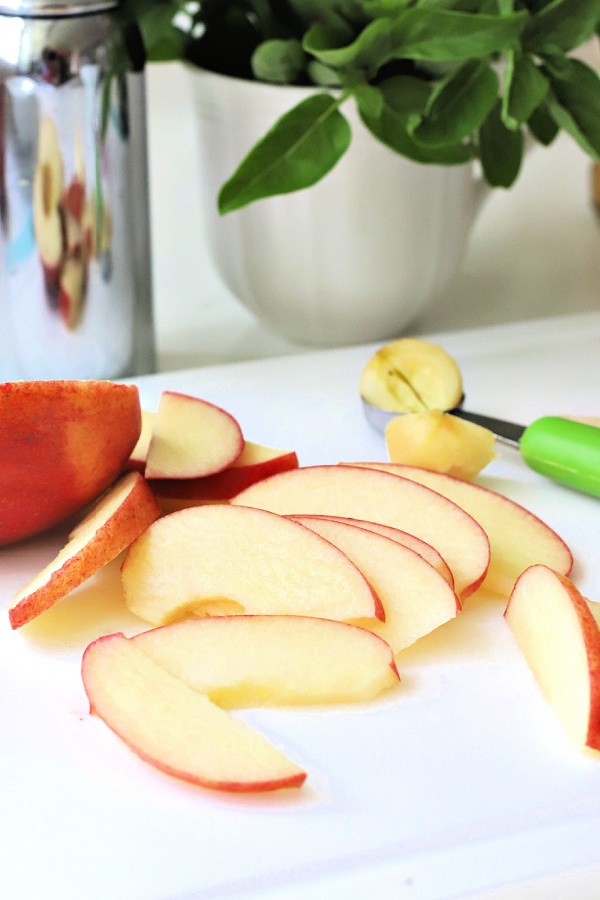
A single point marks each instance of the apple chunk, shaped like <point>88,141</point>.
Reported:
<point>416,598</point>
<point>254,463</point>
<point>139,454</point>
<point>560,640</point>
<point>518,539</point>
<point>190,438</point>
<point>61,444</point>
<point>240,661</point>
<point>175,728</point>
<point>363,493</point>
<point>119,517</point>
<point>220,559</point>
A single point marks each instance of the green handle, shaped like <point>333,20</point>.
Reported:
<point>565,451</point>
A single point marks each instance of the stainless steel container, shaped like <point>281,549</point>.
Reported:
<point>75,284</point>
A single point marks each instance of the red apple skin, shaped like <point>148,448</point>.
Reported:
<point>225,484</point>
<point>61,444</point>
<point>134,515</point>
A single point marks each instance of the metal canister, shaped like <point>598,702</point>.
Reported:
<point>75,280</point>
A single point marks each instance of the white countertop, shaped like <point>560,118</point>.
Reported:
<point>534,251</point>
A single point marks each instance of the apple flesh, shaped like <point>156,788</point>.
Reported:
<point>429,553</point>
<point>518,538</point>
<point>411,375</point>
<point>72,290</point>
<point>560,639</point>
<point>242,661</point>
<point>48,230</point>
<point>364,493</point>
<point>191,438</point>
<point>416,598</point>
<point>139,454</point>
<point>221,559</point>
<point>61,444</point>
<point>119,517</point>
<point>175,728</point>
<point>439,441</point>
<point>254,463</point>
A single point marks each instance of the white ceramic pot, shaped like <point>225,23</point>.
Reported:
<point>352,259</point>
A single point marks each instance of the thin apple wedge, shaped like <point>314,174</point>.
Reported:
<point>364,493</point>
<point>119,517</point>
<point>175,728</point>
<point>191,438</point>
<point>416,598</point>
<point>429,553</point>
<point>241,661</point>
<point>518,538</point>
<point>221,559</point>
<point>560,639</point>
<point>254,463</point>
<point>139,454</point>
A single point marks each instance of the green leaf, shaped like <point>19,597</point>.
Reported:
<point>458,106</point>
<point>561,25</point>
<point>404,97</point>
<point>542,126</point>
<point>369,99</point>
<point>500,150</point>
<point>524,89</point>
<point>574,101</point>
<point>278,61</point>
<point>298,151</point>
<point>418,33</point>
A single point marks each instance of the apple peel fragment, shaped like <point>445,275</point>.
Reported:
<point>560,640</point>
<point>221,559</point>
<point>117,519</point>
<point>244,661</point>
<point>175,728</point>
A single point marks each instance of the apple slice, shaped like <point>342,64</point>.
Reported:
<point>416,598</point>
<point>518,539</point>
<point>61,444</point>
<point>254,463</point>
<point>48,229</point>
<point>72,291</point>
<point>241,661</point>
<point>429,553</point>
<point>49,155</point>
<point>175,728</point>
<point>139,454</point>
<point>222,559</point>
<point>560,640</point>
<point>119,517</point>
<point>191,438</point>
<point>363,493</point>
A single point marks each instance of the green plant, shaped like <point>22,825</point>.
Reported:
<point>438,81</point>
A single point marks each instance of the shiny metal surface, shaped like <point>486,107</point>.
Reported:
<point>75,288</point>
<point>54,8</point>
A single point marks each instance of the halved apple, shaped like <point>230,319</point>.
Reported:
<point>118,518</point>
<point>560,640</point>
<point>240,661</point>
<point>518,538</point>
<point>363,493</point>
<point>416,598</point>
<point>175,728</point>
<point>191,438</point>
<point>61,444</point>
<point>221,559</point>
<point>254,463</point>
<point>429,553</point>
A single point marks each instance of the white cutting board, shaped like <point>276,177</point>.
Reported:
<point>459,782</point>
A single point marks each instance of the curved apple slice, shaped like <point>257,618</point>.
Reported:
<point>363,493</point>
<point>220,559</point>
<point>560,640</point>
<point>429,553</point>
<point>119,517</point>
<point>518,539</point>
<point>240,661</point>
<point>416,598</point>
<point>139,454</point>
<point>191,438</point>
<point>175,728</point>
